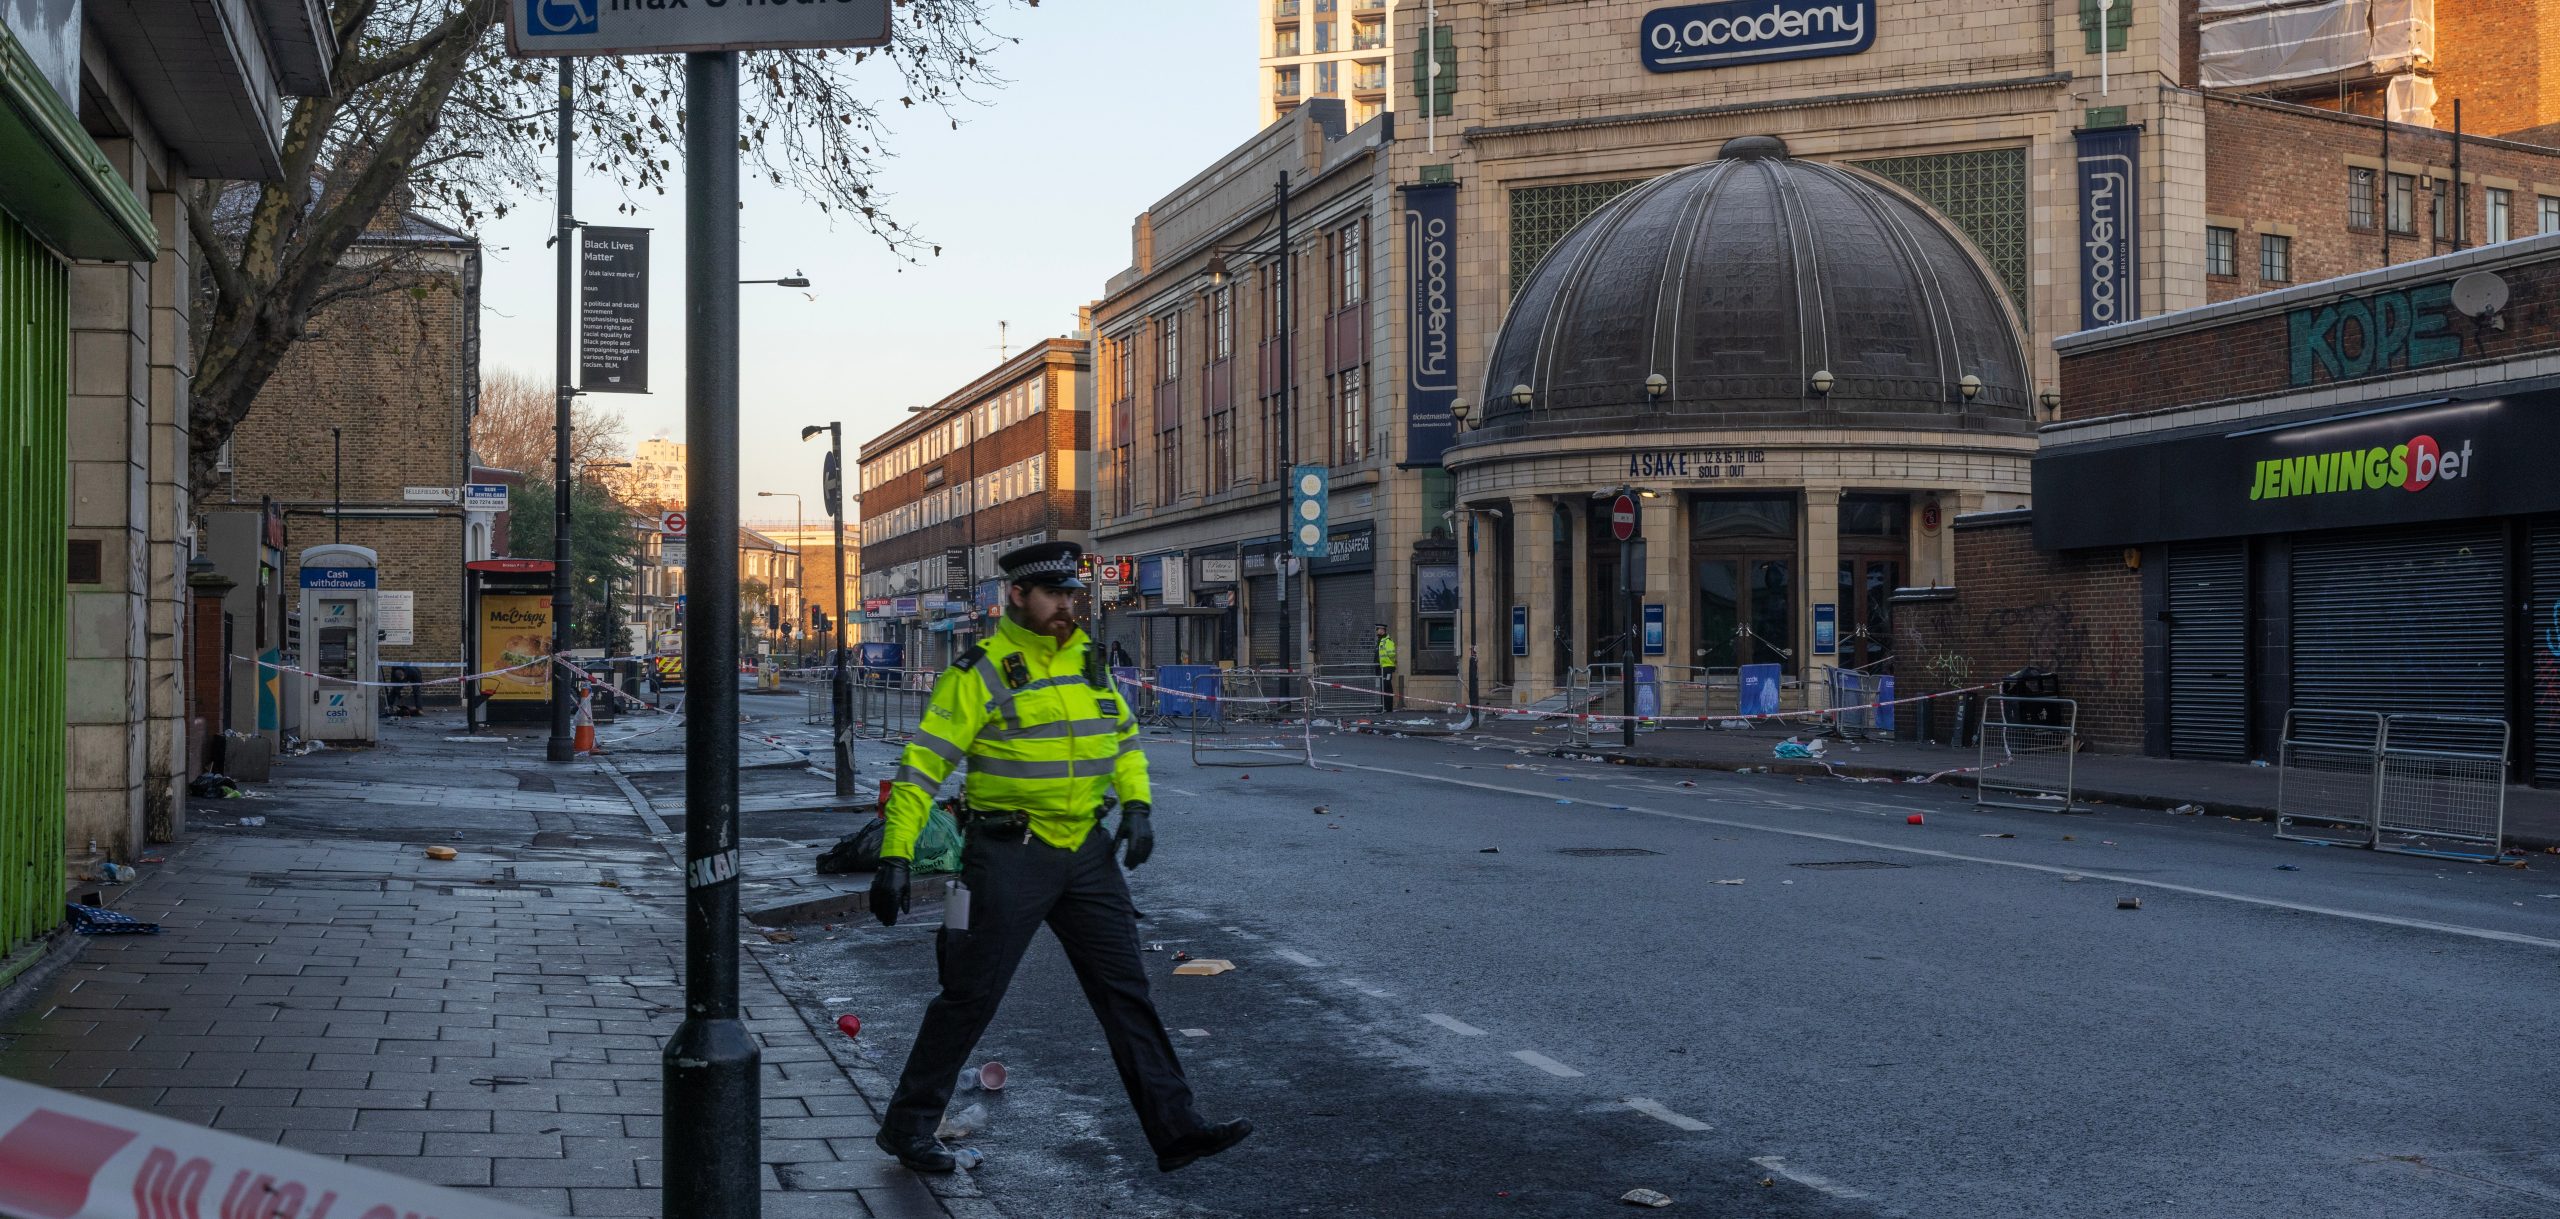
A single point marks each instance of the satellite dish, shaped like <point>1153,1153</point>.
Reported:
<point>2480,295</point>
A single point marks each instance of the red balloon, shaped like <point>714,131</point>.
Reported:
<point>850,1023</point>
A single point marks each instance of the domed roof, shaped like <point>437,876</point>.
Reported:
<point>1737,281</point>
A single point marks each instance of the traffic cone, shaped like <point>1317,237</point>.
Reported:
<point>585,738</point>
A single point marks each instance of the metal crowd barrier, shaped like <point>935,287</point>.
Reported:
<point>2327,765</point>
<point>1851,695</point>
<point>2433,785</point>
<point>1596,690</point>
<point>2028,745</point>
<point>2442,786</point>
<point>888,702</point>
<point>1345,690</point>
<point>1253,717</point>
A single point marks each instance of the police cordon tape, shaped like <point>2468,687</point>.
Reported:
<point>1809,713</point>
<point>535,663</point>
<point>68,1157</point>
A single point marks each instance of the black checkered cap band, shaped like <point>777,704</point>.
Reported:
<point>1045,569</point>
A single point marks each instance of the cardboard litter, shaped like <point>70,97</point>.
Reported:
<point>440,852</point>
<point>1205,967</point>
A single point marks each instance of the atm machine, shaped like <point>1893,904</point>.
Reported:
<point>340,642</point>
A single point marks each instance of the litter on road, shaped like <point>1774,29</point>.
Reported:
<point>1645,1197</point>
<point>849,1024</point>
<point>440,852</point>
<point>1735,881</point>
<point>1915,819</point>
<point>1206,967</point>
<point>2288,867</point>
<point>2128,903</point>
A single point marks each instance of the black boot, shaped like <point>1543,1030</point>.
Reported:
<point>1208,1142</point>
<point>921,1152</point>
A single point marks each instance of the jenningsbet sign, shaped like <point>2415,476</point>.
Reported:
<point>1691,37</point>
<point>2437,462</point>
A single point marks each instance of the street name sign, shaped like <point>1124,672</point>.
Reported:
<point>550,28</point>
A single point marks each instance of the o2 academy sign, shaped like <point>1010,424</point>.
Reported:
<point>639,27</point>
<point>1689,37</point>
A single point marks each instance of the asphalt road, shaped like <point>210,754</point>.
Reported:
<point>1945,1021</point>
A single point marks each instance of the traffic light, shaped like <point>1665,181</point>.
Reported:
<point>773,619</point>
<point>819,624</point>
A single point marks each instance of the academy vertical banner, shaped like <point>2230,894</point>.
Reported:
<point>2110,226</point>
<point>613,310</point>
<point>1431,320</point>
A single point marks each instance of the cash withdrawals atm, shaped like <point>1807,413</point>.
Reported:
<point>340,642</point>
<point>507,614</point>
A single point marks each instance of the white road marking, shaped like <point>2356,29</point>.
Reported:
<point>1301,958</point>
<point>1654,1109</point>
<point>1546,1064</point>
<point>1777,1166</point>
<point>2359,916</point>
<point>1182,792</point>
<point>1453,1024</point>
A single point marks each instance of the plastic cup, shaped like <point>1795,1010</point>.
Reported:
<point>991,1076</point>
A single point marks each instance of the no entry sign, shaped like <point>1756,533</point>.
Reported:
<point>1622,518</point>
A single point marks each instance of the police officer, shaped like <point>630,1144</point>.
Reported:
<point>1046,735</point>
<point>1386,669</point>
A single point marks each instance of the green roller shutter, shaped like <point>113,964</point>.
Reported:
<point>34,539</point>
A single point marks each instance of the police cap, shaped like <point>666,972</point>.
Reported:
<point>1048,564</point>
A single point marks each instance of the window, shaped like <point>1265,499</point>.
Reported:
<point>1169,478</point>
<point>2218,251</point>
<point>2440,208</point>
<point>2119,19</point>
<point>1120,485</point>
<point>1328,75</point>
<point>1324,43</point>
<point>1222,327</point>
<point>1125,366</point>
<point>2359,198</point>
<point>2546,214</point>
<point>2275,258</point>
<point>1284,83</point>
<point>1353,259</point>
<point>2501,202</point>
<point>1277,467</point>
<point>2400,203</point>
<point>1351,398</point>
<point>1222,451</point>
<point>1169,346</point>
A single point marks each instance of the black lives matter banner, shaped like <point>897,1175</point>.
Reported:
<point>613,310</point>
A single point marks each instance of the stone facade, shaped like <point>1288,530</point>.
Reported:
<point>396,376</point>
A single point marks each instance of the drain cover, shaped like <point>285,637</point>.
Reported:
<point>1602,852</point>
<point>1848,865</point>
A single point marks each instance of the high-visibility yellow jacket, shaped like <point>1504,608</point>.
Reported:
<point>1386,651</point>
<point>1040,738</point>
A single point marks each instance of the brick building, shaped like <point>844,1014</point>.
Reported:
<point>2330,499</point>
<point>363,435</point>
<point>1004,461</point>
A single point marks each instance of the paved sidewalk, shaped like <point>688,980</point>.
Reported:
<point>493,1022</point>
<point>2236,789</point>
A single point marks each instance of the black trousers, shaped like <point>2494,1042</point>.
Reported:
<point>1386,687</point>
<point>1014,886</point>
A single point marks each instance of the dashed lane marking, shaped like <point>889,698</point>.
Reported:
<point>2359,916</point>
<point>1656,1110</point>
<point>1453,1024</point>
<point>1777,1166</point>
<point>1301,958</point>
<point>1546,1064</point>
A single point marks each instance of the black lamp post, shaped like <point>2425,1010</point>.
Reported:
<point>839,694</point>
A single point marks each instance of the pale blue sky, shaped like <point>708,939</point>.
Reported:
<point>1112,104</point>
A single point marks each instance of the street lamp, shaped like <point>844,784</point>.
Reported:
<point>799,585</point>
<point>839,694</point>
<point>793,280</point>
<point>1283,335</point>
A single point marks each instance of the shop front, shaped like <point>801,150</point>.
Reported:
<point>2392,557</point>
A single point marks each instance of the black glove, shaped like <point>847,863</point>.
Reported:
<point>889,891</point>
<point>1138,831</point>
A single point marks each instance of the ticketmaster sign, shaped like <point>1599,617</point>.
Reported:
<point>643,27</point>
<point>1688,37</point>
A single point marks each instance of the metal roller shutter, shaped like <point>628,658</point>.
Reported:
<point>1346,619</point>
<point>2544,627</point>
<point>1262,621</point>
<point>1164,642</point>
<point>2401,621</point>
<point>2209,651</point>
